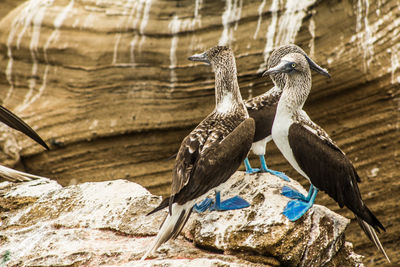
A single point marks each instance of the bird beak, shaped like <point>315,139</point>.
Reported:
<point>314,66</point>
<point>200,57</point>
<point>282,67</point>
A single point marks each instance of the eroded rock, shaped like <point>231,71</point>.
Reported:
<point>263,230</point>
<point>98,223</point>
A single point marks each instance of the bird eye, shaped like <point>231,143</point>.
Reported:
<point>293,65</point>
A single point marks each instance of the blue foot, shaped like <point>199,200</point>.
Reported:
<point>292,193</point>
<point>233,203</point>
<point>264,168</point>
<point>203,206</point>
<point>297,208</point>
<point>249,169</point>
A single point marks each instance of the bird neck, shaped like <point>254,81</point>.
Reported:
<point>227,92</point>
<point>295,92</point>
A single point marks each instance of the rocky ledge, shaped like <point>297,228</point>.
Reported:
<point>105,223</point>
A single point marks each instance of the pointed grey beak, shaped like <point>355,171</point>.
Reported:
<point>200,57</point>
<point>314,66</point>
<point>282,67</point>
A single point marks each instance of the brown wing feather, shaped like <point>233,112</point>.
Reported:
<point>329,170</point>
<point>215,165</point>
<point>264,118</point>
<point>18,124</point>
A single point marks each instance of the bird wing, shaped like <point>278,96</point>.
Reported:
<point>18,124</point>
<point>328,168</point>
<point>264,118</point>
<point>215,163</point>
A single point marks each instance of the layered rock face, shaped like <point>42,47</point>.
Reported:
<point>105,223</point>
<point>107,85</point>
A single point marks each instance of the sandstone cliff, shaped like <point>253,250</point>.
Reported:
<point>107,84</point>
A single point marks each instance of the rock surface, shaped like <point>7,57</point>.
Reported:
<point>107,84</point>
<point>105,223</point>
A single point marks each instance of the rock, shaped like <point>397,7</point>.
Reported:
<point>105,223</point>
<point>263,230</point>
<point>108,85</point>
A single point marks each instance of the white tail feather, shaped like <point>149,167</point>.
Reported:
<point>171,226</point>
<point>371,233</point>
<point>16,176</point>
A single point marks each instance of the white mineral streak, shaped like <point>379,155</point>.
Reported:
<point>33,47</point>
<point>175,26</point>
<point>231,14</point>
<point>364,34</point>
<point>143,24</point>
<point>283,29</point>
<point>30,11</point>
<point>53,37</point>
<point>260,11</point>
<point>135,15</point>
<point>395,66</point>
<point>311,29</point>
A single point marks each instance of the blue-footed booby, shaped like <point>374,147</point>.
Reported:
<point>262,108</point>
<point>12,120</point>
<point>212,152</point>
<point>312,153</point>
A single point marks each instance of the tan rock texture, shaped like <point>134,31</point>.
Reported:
<point>105,223</point>
<point>107,85</point>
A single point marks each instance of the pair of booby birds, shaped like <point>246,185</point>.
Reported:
<point>12,120</point>
<point>212,152</point>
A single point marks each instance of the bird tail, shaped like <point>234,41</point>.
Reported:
<point>16,176</point>
<point>172,226</point>
<point>371,233</point>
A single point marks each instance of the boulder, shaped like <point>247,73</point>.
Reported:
<point>107,84</point>
<point>105,223</point>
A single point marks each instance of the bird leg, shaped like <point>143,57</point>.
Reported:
<point>264,168</point>
<point>294,194</point>
<point>298,207</point>
<point>249,169</point>
<point>233,203</point>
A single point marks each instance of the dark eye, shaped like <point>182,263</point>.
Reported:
<point>293,65</point>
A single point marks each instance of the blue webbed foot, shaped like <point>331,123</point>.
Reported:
<point>249,169</point>
<point>292,193</point>
<point>295,209</point>
<point>203,206</point>
<point>264,168</point>
<point>233,203</point>
<point>298,207</point>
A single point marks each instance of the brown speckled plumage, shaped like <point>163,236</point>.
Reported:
<point>213,151</point>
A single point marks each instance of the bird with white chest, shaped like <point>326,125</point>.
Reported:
<point>312,153</point>
<point>212,152</point>
<point>262,108</point>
